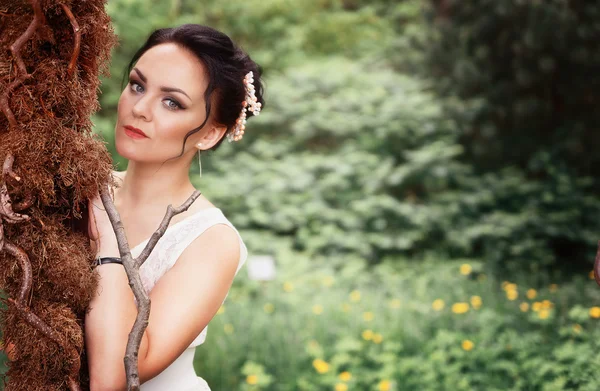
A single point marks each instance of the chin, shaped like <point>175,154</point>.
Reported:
<point>124,148</point>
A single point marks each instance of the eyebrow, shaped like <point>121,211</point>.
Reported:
<point>162,88</point>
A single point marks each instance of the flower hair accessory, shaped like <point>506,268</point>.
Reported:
<point>249,104</point>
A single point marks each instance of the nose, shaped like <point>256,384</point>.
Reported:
<point>142,109</point>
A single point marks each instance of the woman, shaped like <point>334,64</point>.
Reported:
<point>189,89</point>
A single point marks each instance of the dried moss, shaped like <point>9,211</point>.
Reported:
<point>61,164</point>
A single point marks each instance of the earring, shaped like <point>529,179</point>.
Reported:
<point>199,161</point>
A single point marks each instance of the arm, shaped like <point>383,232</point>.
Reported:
<point>183,301</point>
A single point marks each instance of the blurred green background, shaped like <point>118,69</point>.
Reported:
<point>425,177</point>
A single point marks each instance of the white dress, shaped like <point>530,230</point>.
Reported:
<point>180,375</point>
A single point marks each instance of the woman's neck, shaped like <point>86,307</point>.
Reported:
<point>150,186</point>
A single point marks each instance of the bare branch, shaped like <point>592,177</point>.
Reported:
<point>77,32</point>
<point>6,210</point>
<point>163,227</point>
<point>25,265</point>
<point>8,215</point>
<point>4,100</point>
<point>38,20</point>
<point>15,48</point>
<point>40,325</point>
<point>133,275</point>
<point>26,203</point>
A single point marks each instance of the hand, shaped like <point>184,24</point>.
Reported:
<point>101,231</point>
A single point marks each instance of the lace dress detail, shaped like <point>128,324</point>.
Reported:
<point>180,375</point>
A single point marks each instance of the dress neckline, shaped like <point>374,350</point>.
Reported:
<point>174,225</point>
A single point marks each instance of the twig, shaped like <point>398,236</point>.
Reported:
<point>132,267</point>
<point>77,32</point>
<point>6,211</point>
<point>4,100</point>
<point>4,13</point>
<point>7,214</point>
<point>40,325</point>
<point>25,203</point>
<point>163,228</point>
<point>38,20</point>
<point>23,259</point>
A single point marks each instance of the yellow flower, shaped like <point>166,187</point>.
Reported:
<point>544,313</point>
<point>531,294</point>
<point>595,312</point>
<point>591,275</point>
<point>509,286</point>
<point>367,335</point>
<point>341,387</point>
<point>317,309</point>
<point>476,302</point>
<point>228,328</point>
<point>320,366</point>
<point>512,294</point>
<point>536,306</point>
<point>547,304</point>
<point>346,307</point>
<point>269,308</point>
<point>438,304</point>
<point>467,345</point>
<point>345,376</point>
<point>252,379</point>
<point>328,281</point>
<point>385,385</point>
<point>395,303</point>
<point>524,306</point>
<point>368,316</point>
<point>377,338</point>
<point>465,269</point>
<point>460,308</point>
<point>288,286</point>
<point>577,328</point>
<point>553,287</point>
<point>221,310</point>
<point>355,295</point>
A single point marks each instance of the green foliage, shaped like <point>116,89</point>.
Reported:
<point>349,155</point>
<point>532,68</point>
<point>380,324</point>
<point>519,78</point>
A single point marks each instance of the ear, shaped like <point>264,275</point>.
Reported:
<point>211,137</point>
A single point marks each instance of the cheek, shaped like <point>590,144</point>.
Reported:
<point>122,104</point>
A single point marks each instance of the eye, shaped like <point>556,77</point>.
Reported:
<point>133,85</point>
<point>175,106</point>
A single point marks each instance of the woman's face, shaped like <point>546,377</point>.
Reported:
<point>165,100</point>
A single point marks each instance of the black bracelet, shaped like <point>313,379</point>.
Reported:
<point>102,261</point>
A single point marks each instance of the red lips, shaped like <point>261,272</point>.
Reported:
<point>134,132</point>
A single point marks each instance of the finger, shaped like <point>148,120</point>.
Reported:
<point>92,223</point>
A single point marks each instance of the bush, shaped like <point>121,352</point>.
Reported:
<point>344,160</point>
